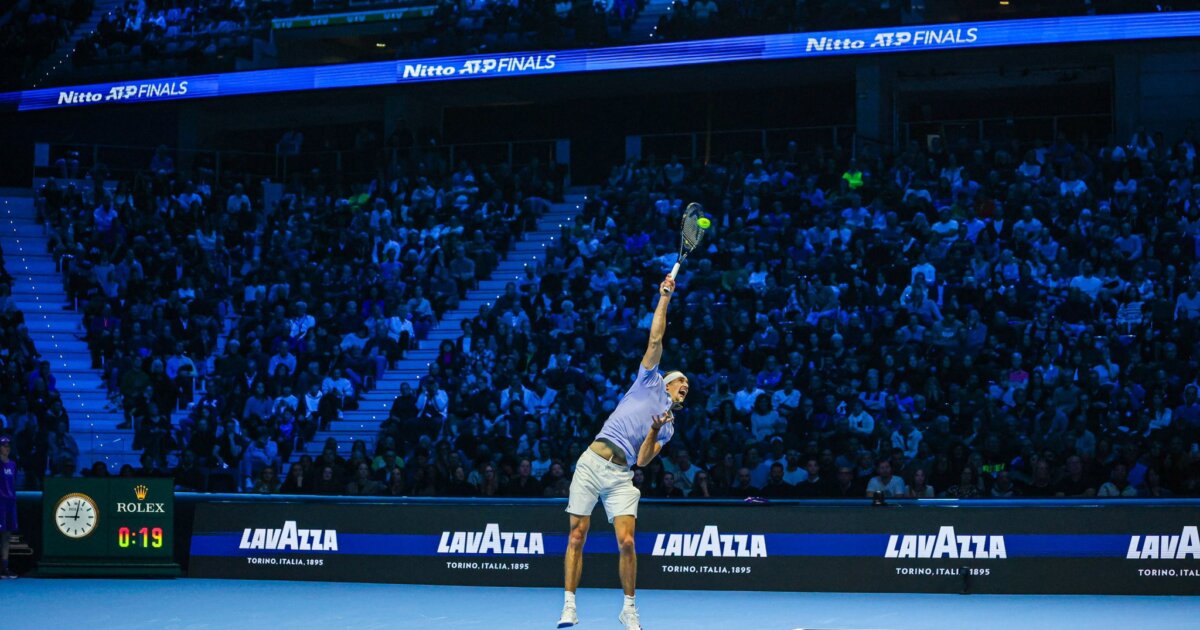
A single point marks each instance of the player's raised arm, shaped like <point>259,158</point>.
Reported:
<point>650,447</point>
<point>658,326</point>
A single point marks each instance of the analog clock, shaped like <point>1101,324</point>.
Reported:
<point>76,515</point>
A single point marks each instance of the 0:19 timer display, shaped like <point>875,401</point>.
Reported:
<point>145,537</point>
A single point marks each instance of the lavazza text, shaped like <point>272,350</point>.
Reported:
<point>289,538</point>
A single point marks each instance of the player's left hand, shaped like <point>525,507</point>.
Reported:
<point>662,420</point>
<point>667,287</point>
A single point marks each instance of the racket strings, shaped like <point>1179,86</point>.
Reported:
<point>692,232</point>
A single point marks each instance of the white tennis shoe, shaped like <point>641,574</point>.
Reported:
<point>629,617</point>
<point>569,617</point>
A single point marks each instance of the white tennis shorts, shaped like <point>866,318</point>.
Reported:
<point>597,479</point>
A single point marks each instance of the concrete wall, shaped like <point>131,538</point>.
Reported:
<point>1158,90</point>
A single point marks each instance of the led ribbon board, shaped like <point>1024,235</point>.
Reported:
<point>1068,30</point>
<point>358,17</point>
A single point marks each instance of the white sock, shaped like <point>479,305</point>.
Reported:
<point>568,598</point>
<point>629,603</point>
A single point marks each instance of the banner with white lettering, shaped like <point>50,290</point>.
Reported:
<point>976,548</point>
<point>915,547</point>
<point>1036,32</point>
<point>433,544</point>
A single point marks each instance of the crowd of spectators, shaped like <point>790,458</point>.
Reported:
<point>695,19</point>
<point>151,288</point>
<point>31,30</point>
<point>210,36</point>
<point>498,25</point>
<point>942,321</point>
<point>967,322</point>
<point>197,31</point>
<point>195,301</point>
<point>962,321</point>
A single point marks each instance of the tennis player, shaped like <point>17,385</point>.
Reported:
<point>634,432</point>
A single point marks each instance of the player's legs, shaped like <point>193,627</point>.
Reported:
<point>621,503</point>
<point>574,559</point>
<point>624,526</point>
<point>585,491</point>
<point>586,488</point>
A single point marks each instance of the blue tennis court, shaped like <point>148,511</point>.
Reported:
<point>197,604</point>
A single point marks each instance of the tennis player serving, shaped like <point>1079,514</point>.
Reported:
<point>634,432</point>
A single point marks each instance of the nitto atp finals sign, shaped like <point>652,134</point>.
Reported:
<point>479,67</point>
<point>136,91</point>
<point>1069,30</point>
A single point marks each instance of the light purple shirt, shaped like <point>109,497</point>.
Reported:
<point>629,424</point>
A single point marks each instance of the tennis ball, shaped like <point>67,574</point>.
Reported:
<point>704,223</point>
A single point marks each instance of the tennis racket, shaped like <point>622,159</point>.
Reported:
<point>690,234</point>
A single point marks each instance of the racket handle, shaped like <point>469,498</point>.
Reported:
<point>674,270</point>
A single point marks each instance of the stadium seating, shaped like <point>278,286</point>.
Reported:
<point>31,31</point>
<point>969,321</point>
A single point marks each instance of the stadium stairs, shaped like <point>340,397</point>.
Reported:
<point>363,423</point>
<point>644,27</point>
<point>56,332</point>
<point>60,60</point>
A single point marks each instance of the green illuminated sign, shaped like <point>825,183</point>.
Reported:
<point>117,526</point>
<point>359,17</point>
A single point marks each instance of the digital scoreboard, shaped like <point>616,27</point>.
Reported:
<point>118,526</point>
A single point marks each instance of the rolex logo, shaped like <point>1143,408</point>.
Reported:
<point>141,492</point>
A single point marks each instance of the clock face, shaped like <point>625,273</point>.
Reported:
<point>76,515</point>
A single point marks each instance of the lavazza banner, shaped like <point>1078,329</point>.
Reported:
<point>940,548</point>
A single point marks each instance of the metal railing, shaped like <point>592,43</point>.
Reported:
<point>122,162</point>
<point>706,145</point>
<point>975,131</point>
<point>934,504</point>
